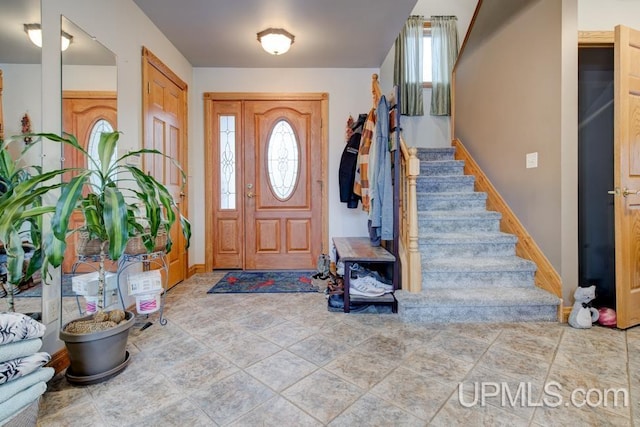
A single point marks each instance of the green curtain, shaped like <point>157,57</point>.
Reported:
<point>444,51</point>
<point>407,72</point>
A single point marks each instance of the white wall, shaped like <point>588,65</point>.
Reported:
<point>89,77</point>
<point>599,15</point>
<point>429,131</point>
<point>122,28</point>
<point>349,93</point>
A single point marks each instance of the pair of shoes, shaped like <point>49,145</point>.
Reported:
<point>365,287</point>
<point>321,276</point>
<point>336,286</point>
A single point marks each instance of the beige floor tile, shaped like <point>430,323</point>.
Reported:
<point>362,368</point>
<point>323,395</point>
<point>417,394</point>
<point>370,410</point>
<point>286,334</point>
<point>246,350</point>
<point>281,370</point>
<point>437,364</point>
<point>277,412</point>
<point>463,347</point>
<point>515,340</point>
<point>231,397</point>
<point>517,365</point>
<point>453,413</point>
<point>183,413</point>
<point>319,349</point>
<point>196,373</point>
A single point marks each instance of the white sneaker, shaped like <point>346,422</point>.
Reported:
<point>363,286</point>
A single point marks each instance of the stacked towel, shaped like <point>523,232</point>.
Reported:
<point>23,377</point>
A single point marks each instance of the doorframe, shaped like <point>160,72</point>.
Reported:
<point>211,168</point>
<point>151,60</point>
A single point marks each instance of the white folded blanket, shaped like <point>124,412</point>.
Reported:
<point>18,402</point>
<point>12,369</point>
<point>19,349</point>
<point>11,388</point>
<point>18,326</point>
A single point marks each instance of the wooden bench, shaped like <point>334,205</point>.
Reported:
<point>351,250</point>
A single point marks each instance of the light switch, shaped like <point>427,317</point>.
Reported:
<point>532,160</point>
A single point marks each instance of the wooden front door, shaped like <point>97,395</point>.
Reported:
<point>265,202</point>
<point>165,107</point>
<point>627,174</point>
<point>82,112</point>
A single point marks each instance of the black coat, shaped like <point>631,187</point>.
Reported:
<point>347,171</point>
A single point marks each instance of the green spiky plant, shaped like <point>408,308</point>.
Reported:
<point>112,208</point>
<point>22,189</point>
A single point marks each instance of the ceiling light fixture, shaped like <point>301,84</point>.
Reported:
<point>34,31</point>
<point>276,41</point>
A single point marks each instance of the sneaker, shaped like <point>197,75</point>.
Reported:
<point>364,286</point>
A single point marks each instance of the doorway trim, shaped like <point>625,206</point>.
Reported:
<point>211,168</point>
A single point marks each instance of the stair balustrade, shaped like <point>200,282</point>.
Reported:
<point>408,246</point>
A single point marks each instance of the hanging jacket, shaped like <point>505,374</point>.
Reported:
<point>361,183</point>
<point>381,214</point>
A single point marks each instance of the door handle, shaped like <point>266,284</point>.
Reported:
<point>250,195</point>
<point>625,192</point>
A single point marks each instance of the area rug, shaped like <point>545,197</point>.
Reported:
<point>265,282</point>
<point>36,291</point>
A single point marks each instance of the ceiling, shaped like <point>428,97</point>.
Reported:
<point>328,33</point>
<point>222,33</point>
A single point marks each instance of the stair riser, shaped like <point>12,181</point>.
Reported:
<point>457,226</point>
<point>483,279</point>
<point>427,169</point>
<point>457,250</point>
<point>460,184</point>
<point>475,314</point>
<point>436,154</point>
<point>458,203</point>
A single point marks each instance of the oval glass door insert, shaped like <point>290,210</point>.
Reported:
<point>283,163</point>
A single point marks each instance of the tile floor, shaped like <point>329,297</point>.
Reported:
<point>285,360</point>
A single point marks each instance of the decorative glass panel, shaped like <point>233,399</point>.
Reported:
<point>227,162</point>
<point>282,160</point>
<point>94,139</point>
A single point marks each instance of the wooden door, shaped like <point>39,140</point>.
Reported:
<point>82,111</point>
<point>627,174</point>
<point>165,98</point>
<point>282,187</point>
<point>265,166</point>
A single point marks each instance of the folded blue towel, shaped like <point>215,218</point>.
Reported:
<point>19,349</point>
<point>18,402</point>
<point>18,326</point>
<point>12,369</point>
<point>10,389</point>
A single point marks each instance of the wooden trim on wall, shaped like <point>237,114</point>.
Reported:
<point>546,277</point>
<point>59,361</point>
<point>595,38</point>
<point>148,56</point>
<point>89,94</point>
<point>195,269</point>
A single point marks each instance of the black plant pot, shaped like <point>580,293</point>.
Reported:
<point>97,356</point>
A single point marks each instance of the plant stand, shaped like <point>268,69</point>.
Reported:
<point>157,259</point>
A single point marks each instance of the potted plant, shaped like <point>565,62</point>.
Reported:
<point>22,188</point>
<point>118,201</point>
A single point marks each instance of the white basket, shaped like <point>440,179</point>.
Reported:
<point>145,283</point>
<point>87,284</point>
<point>148,303</point>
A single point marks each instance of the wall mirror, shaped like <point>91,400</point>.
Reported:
<point>89,98</point>
<point>21,105</point>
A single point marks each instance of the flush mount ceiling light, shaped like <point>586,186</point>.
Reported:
<point>35,35</point>
<point>276,41</point>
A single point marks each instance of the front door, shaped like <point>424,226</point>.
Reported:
<point>85,115</point>
<point>627,175</point>
<point>265,173</point>
<point>165,106</point>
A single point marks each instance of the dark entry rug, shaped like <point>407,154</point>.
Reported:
<point>265,282</point>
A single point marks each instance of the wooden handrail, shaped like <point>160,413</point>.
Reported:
<point>409,250</point>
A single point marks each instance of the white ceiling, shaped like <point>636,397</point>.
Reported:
<point>328,33</point>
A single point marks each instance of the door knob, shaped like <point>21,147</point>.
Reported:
<point>625,192</point>
<point>250,195</point>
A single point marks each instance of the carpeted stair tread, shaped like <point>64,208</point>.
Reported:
<point>480,264</point>
<point>468,238</point>
<point>431,154</point>
<point>452,201</point>
<point>487,304</point>
<point>458,215</point>
<point>445,183</point>
<point>442,167</point>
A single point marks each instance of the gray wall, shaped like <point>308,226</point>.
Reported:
<point>515,94</point>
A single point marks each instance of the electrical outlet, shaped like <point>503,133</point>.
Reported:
<point>532,160</point>
<point>50,311</point>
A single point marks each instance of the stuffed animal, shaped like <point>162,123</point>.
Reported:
<point>582,314</point>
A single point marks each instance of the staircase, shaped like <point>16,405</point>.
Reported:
<point>470,272</point>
